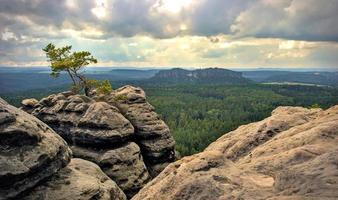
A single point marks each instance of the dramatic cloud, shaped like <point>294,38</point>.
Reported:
<point>290,19</point>
<point>173,32</point>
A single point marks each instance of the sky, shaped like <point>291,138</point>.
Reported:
<point>180,33</point>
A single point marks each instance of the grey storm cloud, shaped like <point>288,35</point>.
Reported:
<point>216,17</point>
<point>312,20</point>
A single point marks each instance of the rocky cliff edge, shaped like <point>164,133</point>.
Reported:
<point>291,155</point>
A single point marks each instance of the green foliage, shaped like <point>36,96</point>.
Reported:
<point>104,87</point>
<point>121,97</point>
<point>76,88</point>
<point>316,105</point>
<point>63,60</point>
<point>198,115</point>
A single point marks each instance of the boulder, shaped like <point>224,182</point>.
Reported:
<point>102,124</point>
<point>29,151</point>
<point>28,104</point>
<point>290,155</point>
<point>123,164</point>
<point>80,180</point>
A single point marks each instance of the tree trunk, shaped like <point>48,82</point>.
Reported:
<point>86,90</point>
<point>84,82</point>
<point>71,76</point>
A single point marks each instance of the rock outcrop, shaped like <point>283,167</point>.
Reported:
<point>29,104</point>
<point>81,179</point>
<point>29,151</point>
<point>35,163</point>
<point>153,135</point>
<point>124,165</point>
<point>290,155</point>
<point>120,132</point>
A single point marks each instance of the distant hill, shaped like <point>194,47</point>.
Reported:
<point>318,78</point>
<point>199,76</point>
<point>14,79</point>
<point>133,74</point>
<point>262,75</point>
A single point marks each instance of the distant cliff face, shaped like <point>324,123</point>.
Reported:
<point>120,132</point>
<point>200,76</point>
<point>290,155</point>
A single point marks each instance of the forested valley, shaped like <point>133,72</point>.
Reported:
<point>199,114</point>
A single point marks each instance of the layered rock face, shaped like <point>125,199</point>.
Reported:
<point>35,163</point>
<point>153,135</point>
<point>290,155</point>
<point>81,179</point>
<point>120,132</point>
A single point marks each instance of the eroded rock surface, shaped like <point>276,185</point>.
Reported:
<point>120,132</point>
<point>81,120</point>
<point>80,180</point>
<point>290,155</point>
<point>29,151</point>
<point>35,163</point>
<point>29,104</point>
<point>153,135</point>
<point>124,165</point>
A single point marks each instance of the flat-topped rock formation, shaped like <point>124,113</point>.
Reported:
<point>291,155</point>
<point>120,132</point>
<point>35,163</point>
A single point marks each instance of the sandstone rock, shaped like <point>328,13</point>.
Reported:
<point>102,124</point>
<point>158,148</point>
<point>156,168</point>
<point>80,180</point>
<point>81,120</point>
<point>290,155</point>
<point>153,135</point>
<point>130,94</point>
<point>235,145</point>
<point>29,104</point>
<point>29,151</point>
<point>124,165</point>
<point>120,132</point>
<point>97,132</point>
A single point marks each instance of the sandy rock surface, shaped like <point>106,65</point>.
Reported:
<point>80,180</point>
<point>291,155</point>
